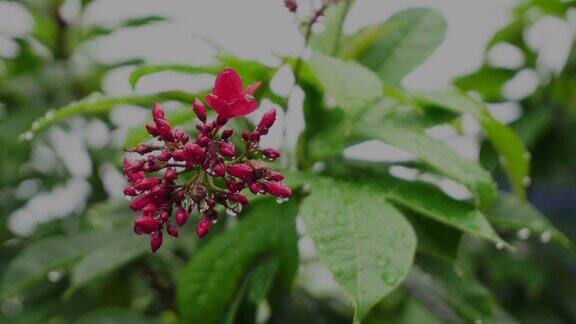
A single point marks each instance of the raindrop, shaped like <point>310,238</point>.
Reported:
<point>545,237</point>
<point>215,220</point>
<point>231,212</point>
<point>11,307</point>
<point>35,125</point>
<point>49,115</point>
<point>400,232</point>
<point>306,188</point>
<point>526,181</point>
<point>281,200</point>
<point>523,233</point>
<point>499,245</point>
<point>383,261</point>
<point>389,278</point>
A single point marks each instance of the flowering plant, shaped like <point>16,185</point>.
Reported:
<point>212,155</point>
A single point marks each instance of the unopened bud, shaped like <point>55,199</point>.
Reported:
<point>275,176</point>
<point>267,121</point>
<point>152,129</point>
<point>147,184</point>
<point>199,110</point>
<point>172,230</point>
<point>255,187</point>
<point>170,175</point>
<point>219,170</point>
<point>145,224</point>
<point>203,227</point>
<point>271,154</point>
<point>277,189</point>
<point>227,149</point>
<point>226,134</point>
<point>240,170</point>
<point>181,216</point>
<point>238,198</point>
<point>158,112</point>
<point>156,241</point>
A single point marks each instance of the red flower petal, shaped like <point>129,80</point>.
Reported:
<point>219,105</point>
<point>228,85</point>
<point>253,87</point>
<point>242,106</point>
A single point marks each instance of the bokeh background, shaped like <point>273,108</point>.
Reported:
<point>49,181</point>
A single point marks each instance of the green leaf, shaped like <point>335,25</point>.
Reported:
<point>487,81</point>
<point>435,238</point>
<point>364,241</point>
<point>90,32</point>
<point>145,70</point>
<point>96,103</point>
<point>513,155</point>
<point>40,257</point>
<point>511,214</point>
<point>106,259</point>
<point>210,280</point>
<point>435,154</point>
<point>114,315</point>
<point>261,280</point>
<point>401,44</point>
<point>329,40</point>
<point>352,85</point>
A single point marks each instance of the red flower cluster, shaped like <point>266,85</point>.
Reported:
<point>218,171</point>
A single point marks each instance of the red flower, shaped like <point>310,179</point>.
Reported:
<point>228,97</point>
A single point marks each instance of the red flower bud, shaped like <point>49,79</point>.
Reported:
<point>271,154</point>
<point>156,241</point>
<point>219,170</point>
<point>181,136</point>
<point>267,121</point>
<point>130,191</point>
<point>227,149</point>
<point>255,136</point>
<point>164,216</point>
<point>181,216</point>
<point>149,209</point>
<point>203,227</point>
<point>195,152</point>
<point>172,230</point>
<point>152,129</point>
<point>240,170</point>
<point>226,134</point>
<point>203,140</point>
<point>277,189</point>
<point>274,176</point>
<point>221,120</point>
<point>245,135</point>
<point>165,130</point>
<point>199,110</point>
<point>170,175</point>
<point>255,187</point>
<point>291,5</point>
<point>140,202</point>
<point>145,224</point>
<point>157,112</point>
<point>233,186</point>
<point>165,156</point>
<point>238,198</point>
<point>147,184</point>
<point>180,155</point>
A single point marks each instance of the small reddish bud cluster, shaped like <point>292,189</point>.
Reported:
<point>211,157</point>
<point>291,5</point>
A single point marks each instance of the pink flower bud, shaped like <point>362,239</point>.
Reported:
<point>219,170</point>
<point>165,156</point>
<point>240,170</point>
<point>147,184</point>
<point>267,121</point>
<point>255,187</point>
<point>144,148</point>
<point>277,189</point>
<point>226,134</point>
<point>165,130</point>
<point>275,176</point>
<point>199,110</point>
<point>130,191</point>
<point>152,129</point>
<point>203,227</point>
<point>158,112</point>
<point>227,149</point>
<point>291,5</point>
<point>145,224</point>
<point>181,216</point>
<point>245,135</point>
<point>170,175</point>
<point>238,198</point>
<point>172,230</point>
<point>271,154</point>
<point>156,241</point>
